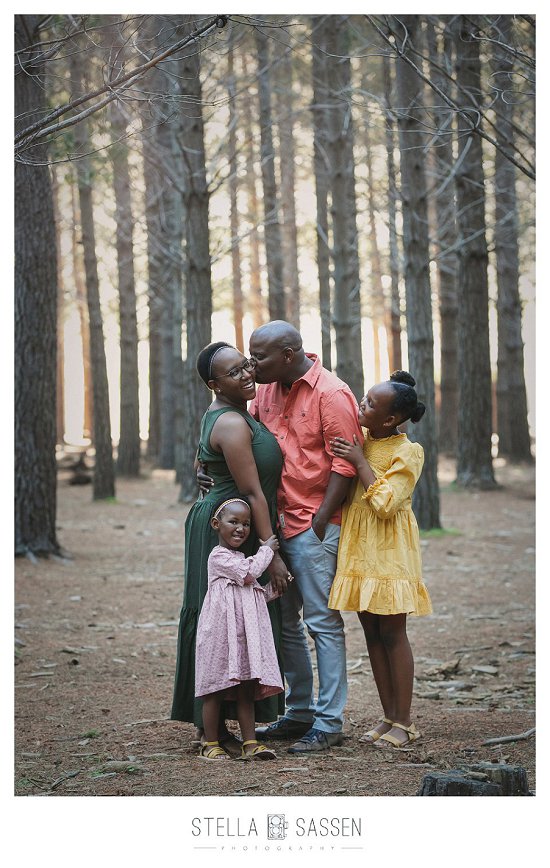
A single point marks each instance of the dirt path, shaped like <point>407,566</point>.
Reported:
<point>96,637</point>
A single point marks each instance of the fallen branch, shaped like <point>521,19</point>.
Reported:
<point>522,736</point>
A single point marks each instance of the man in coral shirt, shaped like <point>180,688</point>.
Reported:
<point>304,405</point>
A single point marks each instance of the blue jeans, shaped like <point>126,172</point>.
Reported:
<point>312,562</point>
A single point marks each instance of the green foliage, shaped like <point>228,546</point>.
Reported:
<point>438,532</point>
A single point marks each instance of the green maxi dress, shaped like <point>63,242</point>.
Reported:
<point>200,539</point>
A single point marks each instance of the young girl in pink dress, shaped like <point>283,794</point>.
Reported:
<point>235,652</point>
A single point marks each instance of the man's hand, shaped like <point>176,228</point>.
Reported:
<point>319,527</point>
<point>204,481</point>
<point>279,574</point>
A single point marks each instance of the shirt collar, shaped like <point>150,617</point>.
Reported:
<point>312,375</point>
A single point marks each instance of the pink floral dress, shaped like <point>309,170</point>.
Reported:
<point>234,635</point>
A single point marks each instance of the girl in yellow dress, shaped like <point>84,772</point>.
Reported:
<point>379,573</point>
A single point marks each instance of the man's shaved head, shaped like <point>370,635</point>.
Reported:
<point>280,334</point>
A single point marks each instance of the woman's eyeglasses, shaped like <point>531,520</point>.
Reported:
<point>236,373</point>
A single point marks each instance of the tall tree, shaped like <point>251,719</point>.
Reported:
<point>233,197</point>
<point>256,300</point>
<point>197,251</point>
<point>82,305</point>
<point>347,289</point>
<point>319,26</point>
<point>378,306</point>
<point>104,474</point>
<point>35,312</point>
<point>513,428</point>
<point>272,228</point>
<point>417,272</point>
<point>60,375</point>
<point>284,100</point>
<point>474,460</point>
<point>395,316</point>
<point>128,458</point>
<point>445,242</point>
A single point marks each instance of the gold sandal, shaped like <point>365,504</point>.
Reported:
<point>260,752</point>
<point>211,750</point>
<point>373,735</point>
<point>412,735</point>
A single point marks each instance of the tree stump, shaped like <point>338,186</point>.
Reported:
<point>455,783</point>
<point>482,779</point>
<point>511,779</point>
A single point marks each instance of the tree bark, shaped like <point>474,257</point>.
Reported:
<point>513,429</point>
<point>395,317</point>
<point>417,275</point>
<point>233,199</point>
<point>104,475</point>
<point>198,277</point>
<point>474,460</point>
<point>272,229</point>
<point>378,304</point>
<point>347,298</point>
<point>445,243</point>
<point>320,166</point>
<point>60,374</point>
<point>82,305</point>
<point>256,299</point>
<point>35,315</point>
<point>289,233</point>
<point>128,458</point>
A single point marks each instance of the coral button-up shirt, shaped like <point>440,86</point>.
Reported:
<point>303,418</point>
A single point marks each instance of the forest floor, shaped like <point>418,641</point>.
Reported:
<point>96,640</point>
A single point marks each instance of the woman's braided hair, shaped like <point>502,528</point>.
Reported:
<point>406,403</point>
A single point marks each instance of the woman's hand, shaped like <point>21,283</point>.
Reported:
<point>352,452</point>
<point>279,574</point>
<point>272,542</point>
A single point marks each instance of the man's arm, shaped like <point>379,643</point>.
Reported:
<point>337,489</point>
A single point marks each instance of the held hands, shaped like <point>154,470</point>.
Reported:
<point>352,452</point>
<point>278,573</point>
<point>272,542</point>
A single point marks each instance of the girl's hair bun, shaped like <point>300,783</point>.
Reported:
<point>403,377</point>
<point>418,412</point>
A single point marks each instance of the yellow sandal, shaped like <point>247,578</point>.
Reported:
<point>211,750</point>
<point>260,752</point>
<point>373,735</point>
<point>387,739</point>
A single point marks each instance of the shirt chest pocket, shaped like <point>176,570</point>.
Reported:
<point>307,428</point>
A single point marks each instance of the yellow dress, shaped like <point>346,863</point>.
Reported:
<point>379,565</point>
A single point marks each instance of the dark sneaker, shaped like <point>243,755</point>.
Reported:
<point>315,740</point>
<point>283,728</point>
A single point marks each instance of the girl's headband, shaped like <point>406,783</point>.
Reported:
<point>227,502</point>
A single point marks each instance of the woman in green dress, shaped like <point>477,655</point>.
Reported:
<point>243,458</point>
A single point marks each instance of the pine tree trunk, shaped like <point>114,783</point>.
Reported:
<point>198,282</point>
<point>474,461</point>
<point>256,300</point>
<point>60,375</point>
<point>447,262</point>
<point>104,474</point>
<point>82,305</point>
<point>395,318</point>
<point>153,195</point>
<point>233,199</point>
<point>320,166</point>
<point>513,429</point>
<point>272,229</point>
<point>378,305</point>
<point>35,314</point>
<point>289,234</point>
<point>128,458</point>
<point>347,300</point>
<point>417,274</point>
